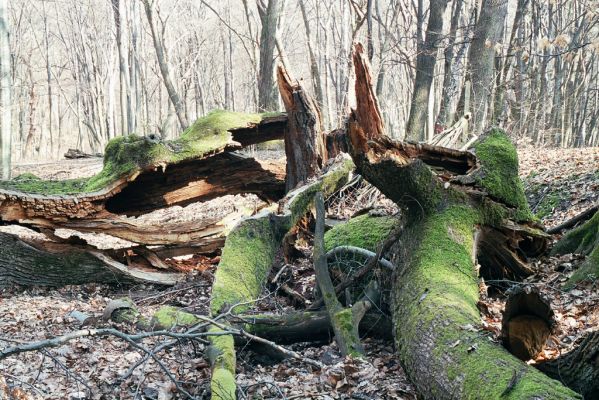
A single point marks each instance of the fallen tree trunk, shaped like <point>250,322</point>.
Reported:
<point>247,256</point>
<point>579,368</point>
<point>140,175</point>
<point>56,264</point>
<point>447,195</point>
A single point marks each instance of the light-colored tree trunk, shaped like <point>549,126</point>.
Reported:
<point>425,68</point>
<point>164,68</point>
<point>487,34</point>
<point>268,99</point>
<point>5,93</point>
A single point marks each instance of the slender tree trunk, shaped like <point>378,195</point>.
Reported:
<point>449,89</point>
<point>425,68</point>
<point>267,94</point>
<point>164,68</point>
<point>487,34</point>
<point>5,93</point>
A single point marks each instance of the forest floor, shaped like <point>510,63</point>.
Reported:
<point>560,183</point>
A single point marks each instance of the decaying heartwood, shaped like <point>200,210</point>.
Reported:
<point>460,209</point>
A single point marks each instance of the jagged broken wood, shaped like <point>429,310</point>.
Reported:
<point>447,195</point>
<point>140,175</point>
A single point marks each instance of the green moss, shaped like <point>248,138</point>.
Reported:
<point>29,183</point>
<point>581,240</point>
<point>167,317</point>
<point>435,299</point>
<point>247,256</point>
<point>549,203</point>
<point>125,155</point>
<point>223,347</point>
<point>363,231</point>
<point>345,322</point>
<point>588,270</point>
<point>222,385</point>
<point>499,172</point>
<point>222,355</point>
<point>328,184</point>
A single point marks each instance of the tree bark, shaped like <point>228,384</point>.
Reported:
<point>304,139</point>
<point>481,58</point>
<point>267,94</point>
<point>5,94</point>
<point>579,368</point>
<point>425,69</point>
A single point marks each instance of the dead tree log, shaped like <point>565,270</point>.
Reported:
<point>56,264</point>
<point>579,368</point>
<point>247,256</point>
<point>447,195</point>
<point>140,175</point>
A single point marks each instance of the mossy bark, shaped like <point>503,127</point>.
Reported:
<point>437,322</point>
<point>582,240</point>
<point>247,256</point>
<point>436,290</point>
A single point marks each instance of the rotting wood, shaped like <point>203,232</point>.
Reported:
<point>305,144</point>
<point>527,322</point>
<point>436,289</point>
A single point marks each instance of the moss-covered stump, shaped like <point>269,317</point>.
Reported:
<point>436,319</point>
<point>582,240</point>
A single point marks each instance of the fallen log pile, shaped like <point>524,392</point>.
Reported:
<point>464,219</point>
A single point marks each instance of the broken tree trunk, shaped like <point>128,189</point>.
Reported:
<point>141,175</point>
<point>448,195</point>
<point>305,143</point>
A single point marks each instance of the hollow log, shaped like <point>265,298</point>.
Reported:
<point>527,322</point>
<point>436,288</point>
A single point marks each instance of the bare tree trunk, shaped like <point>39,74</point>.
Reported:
<point>5,93</point>
<point>449,86</point>
<point>267,94</point>
<point>164,69</point>
<point>425,68</point>
<point>314,68</point>
<point>487,34</point>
